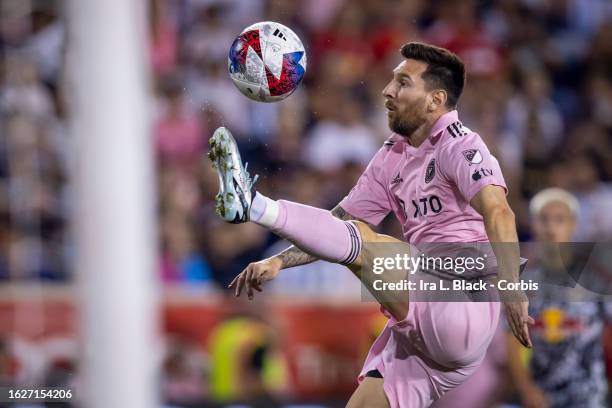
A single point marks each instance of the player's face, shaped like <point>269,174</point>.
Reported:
<point>406,98</point>
<point>555,223</point>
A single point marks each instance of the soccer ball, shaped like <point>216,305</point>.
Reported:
<point>267,61</point>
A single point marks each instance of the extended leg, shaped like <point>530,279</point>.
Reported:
<point>374,245</point>
<point>313,230</point>
<point>351,243</point>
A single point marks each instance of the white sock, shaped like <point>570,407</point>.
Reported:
<point>263,211</point>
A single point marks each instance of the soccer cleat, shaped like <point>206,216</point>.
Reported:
<point>236,189</point>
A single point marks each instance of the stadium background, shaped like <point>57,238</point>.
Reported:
<point>539,92</point>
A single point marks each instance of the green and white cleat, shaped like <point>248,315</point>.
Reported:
<point>236,189</point>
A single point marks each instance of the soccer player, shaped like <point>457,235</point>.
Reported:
<point>566,368</point>
<point>443,185</point>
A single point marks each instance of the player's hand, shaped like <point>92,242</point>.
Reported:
<point>532,396</point>
<point>254,275</point>
<point>518,319</point>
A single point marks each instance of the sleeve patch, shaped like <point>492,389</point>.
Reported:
<point>473,156</point>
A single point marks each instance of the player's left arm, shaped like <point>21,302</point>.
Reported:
<point>490,202</point>
<point>467,162</point>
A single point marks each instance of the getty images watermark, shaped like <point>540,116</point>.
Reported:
<point>462,272</point>
<point>436,266</point>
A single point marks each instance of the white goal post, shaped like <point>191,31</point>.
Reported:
<point>114,212</point>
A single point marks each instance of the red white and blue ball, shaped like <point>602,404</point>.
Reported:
<point>267,62</point>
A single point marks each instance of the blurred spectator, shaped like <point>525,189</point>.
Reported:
<point>6,363</point>
<point>208,37</point>
<point>593,220</point>
<point>246,363</point>
<point>535,125</point>
<point>163,37</point>
<point>599,88</point>
<point>340,138</point>
<point>458,29</point>
<point>178,132</point>
<point>232,249</point>
<point>23,91</point>
<point>180,261</point>
<point>566,366</point>
<point>184,373</point>
<point>47,41</point>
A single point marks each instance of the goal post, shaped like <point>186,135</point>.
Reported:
<point>114,222</point>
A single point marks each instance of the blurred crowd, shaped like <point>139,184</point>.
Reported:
<point>539,92</point>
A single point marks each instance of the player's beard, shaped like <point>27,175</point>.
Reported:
<point>408,121</point>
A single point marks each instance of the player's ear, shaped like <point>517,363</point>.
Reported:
<point>438,98</point>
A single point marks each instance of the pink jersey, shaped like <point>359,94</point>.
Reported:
<point>429,188</point>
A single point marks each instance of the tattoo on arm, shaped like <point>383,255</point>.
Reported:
<point>339,212</point>
<point>294,256</point>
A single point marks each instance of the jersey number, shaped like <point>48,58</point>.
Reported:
<point>423,205</point>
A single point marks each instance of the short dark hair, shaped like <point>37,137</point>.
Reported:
<point>445,70</point>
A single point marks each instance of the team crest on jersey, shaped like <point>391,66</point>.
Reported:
<point>473,156</point>
<point>430,172</point>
